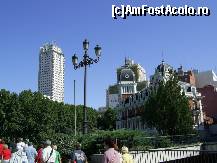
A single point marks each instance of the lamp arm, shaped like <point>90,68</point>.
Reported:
<point>87,60</point>
<point>91,60</point>
<point>81,64</point>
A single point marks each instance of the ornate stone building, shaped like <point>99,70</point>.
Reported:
<point>131,77</point>
<point>130,109</point>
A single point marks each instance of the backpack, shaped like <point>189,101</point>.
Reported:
<point>80,157</point>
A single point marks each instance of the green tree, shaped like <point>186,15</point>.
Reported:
<point>107,120</point>
<point>31,115</point>
<point>10,115</point>
<point>167,109</point>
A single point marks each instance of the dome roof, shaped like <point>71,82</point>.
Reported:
<point>164,67</point>
<point>127,75</point>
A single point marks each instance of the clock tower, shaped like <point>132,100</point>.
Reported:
<point>126,83</point>
<point>131,78</point>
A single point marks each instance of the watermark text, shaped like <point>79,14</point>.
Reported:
<point>124,11</point>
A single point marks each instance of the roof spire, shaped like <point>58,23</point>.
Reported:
<point>162,56</point>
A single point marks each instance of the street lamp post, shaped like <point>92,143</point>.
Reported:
<point>84,63</point>
<point>75,112</point>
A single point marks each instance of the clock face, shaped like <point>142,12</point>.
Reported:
<point>127,76</point>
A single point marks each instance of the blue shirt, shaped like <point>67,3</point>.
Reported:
<point>31,153</point>
<point>78,156</point>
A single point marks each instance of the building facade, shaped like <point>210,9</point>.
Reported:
<point>206,83</point>
<point>205,78</point>
<point>210,100</point>
<point>131,77</point>
<point>51,72</point>
<point>186,76</point>
<point>130,109</point>
<point>111,99</point>
<point>126,83</point>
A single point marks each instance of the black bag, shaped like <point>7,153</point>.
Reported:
<point>49,156</point>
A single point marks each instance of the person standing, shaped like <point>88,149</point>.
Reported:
<point>111,155</point>
<point>58,157</point>
<point>39,155</point>
<point>26,143</point>
<point>119,152</point>
<point>1,148</point>
<point>6,154</point>
<point>20,144</point>
<point>31,153</point>
<point>19,157</point>
<point>78,155</point>
<point>13,146</point>
<point>127,158</point>
<point>48,153</point>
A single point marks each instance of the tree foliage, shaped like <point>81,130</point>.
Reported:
<point>167,109</point>
<point>107,120</point>
<point>31,115</point>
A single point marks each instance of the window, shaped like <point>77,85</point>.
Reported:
<point>194,90</point>
<point>189,89</point>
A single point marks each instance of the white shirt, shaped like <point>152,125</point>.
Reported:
<point>46,155</point>
<point>21,146</point>
<point>19,157</point>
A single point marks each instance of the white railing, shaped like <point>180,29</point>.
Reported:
<point>162,155</point>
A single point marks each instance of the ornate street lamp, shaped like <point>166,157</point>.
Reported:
<point>84,63</point>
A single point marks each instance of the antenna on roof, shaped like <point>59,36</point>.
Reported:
<point>162,56</point>
<point>125,61</point>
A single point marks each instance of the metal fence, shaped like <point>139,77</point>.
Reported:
<point>175,156</point>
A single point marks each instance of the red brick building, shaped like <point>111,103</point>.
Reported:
<point>186,76</point>
<point>209,101</point>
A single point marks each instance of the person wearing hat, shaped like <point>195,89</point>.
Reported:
<point>127,158</point>
<point>48,153</point>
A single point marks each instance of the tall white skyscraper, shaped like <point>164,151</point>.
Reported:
<point>51,72</point>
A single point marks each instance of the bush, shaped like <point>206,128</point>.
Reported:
<point>135,140</point>
<point>162,142</point>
